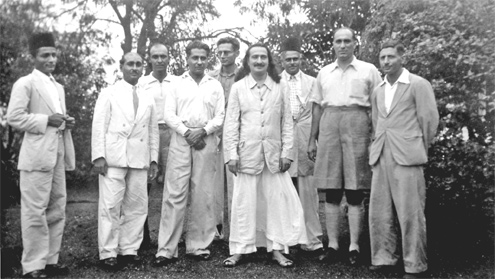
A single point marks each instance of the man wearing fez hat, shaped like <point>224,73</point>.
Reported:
<point>37,107</point>
<point>301,170</point>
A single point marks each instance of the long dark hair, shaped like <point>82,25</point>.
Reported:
<point>244,71</point>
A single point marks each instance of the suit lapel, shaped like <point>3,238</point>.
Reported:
<point>61,96</point>
<point>401,88</point>
<point>39,85</point>
<point>380,100</point>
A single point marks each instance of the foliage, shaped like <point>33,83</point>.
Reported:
<point>451,44</point>
<point>77,70</point>
<point>316,32</point>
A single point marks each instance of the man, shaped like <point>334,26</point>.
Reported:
<point>405,120</point>
<point>227,52</point>
<point>341,125</point>
<point>194,110</point>
<point>258,141</point>
<point>37,107</point>
<point>124,145</point>
<point>158,85</point>
<point>301,170</point>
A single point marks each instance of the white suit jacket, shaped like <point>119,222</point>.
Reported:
<point>29,107</point>
<point>258,129</point>
<point>125,140</point>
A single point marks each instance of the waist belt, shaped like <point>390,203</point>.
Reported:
<point>347,108</point>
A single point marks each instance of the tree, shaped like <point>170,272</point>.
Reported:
<point>322,18</point>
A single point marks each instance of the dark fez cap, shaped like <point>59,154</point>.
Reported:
<point>38,40</point>
<point>291,43</point>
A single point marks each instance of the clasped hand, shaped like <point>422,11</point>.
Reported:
<point>57,119</point>
<point>194,137</point>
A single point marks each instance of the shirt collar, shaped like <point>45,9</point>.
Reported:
<point>403,78</point>
<point>47,78</point>
<point>204,79</point>
<point>228,75</point>
<point>335,64</point>
<point>287,76</point>
<point>150,78</point>
<point>127,85</point>
<point>268,82</point>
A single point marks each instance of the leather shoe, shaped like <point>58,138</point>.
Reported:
<point>415,275</point>
<point>354,257</point>
<point>383,268</point>
<point>40,273</point>
<point>329,256</point>
<point>200,257</point>
<point>132,259</point>
<point>163,261</point>
<point>56,269</point>
<point>110,263</point>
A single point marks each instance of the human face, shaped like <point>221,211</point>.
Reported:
<point>291,61</point>
<point>45,60</point>
<point>390,61</point>
<point>226,54</point>
<point>132,69</point>
<point>159,58</point>
<point>344,45</point>
<point>258,60</point>
<point>197,61</point>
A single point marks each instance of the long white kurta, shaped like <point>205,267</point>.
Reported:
<point>266,210</point>
<point>129,143</point>
<point>191,105</point>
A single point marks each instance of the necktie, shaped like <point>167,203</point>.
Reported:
<point>135,100</point>
<point>294,101</point>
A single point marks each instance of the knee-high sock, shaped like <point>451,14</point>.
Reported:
<point>356,217</point>
<point>332,212</point>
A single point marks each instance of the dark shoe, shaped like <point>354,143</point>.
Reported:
<point>329,256</point>
<point>110,263</point>
<point>40,273</point>
<point>56,269</point>
<point>200,257</point>
<point>162,261</point>
<point>415,275</point>
<point>354,257</point>
<point>133,259</point>
<point>383,268</point>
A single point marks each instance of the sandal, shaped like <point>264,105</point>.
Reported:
<point>285,263</point>
<point>231,262</point>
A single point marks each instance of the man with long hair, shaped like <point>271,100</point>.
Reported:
<point>266,210</point>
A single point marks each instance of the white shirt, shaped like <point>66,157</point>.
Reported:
<point>193,105</point>
<point>391,88</point>
<point>294,82</point>
<point>51,88</point>
<point>151,85</point>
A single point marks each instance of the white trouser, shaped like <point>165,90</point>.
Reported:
<point>266,212</point>
<point>308,195</point>
<point>43,200</point>
<point>195,168</point>
<point>122,211</point>
<point>224,184</point>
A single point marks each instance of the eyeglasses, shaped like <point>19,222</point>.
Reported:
<point>294,59</point>
<point>224,53</point>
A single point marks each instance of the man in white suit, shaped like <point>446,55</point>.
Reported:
<point>124,146</point>
<point>37,107</point>
<point>301,170</point>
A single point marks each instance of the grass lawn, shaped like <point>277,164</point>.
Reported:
<point>80,252</point>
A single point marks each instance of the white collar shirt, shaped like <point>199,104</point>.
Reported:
<point>159,90</point>
<point>294,82</point>
<point>193,105</point>
<point>345,87</point>
<point>390,89</point>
